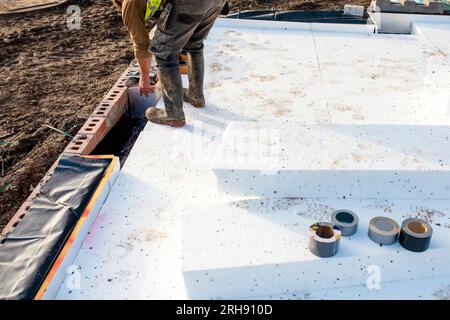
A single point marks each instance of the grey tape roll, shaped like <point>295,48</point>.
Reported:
<point>324,238</point>
<point>346,220</point>
<point>383,230</point>
<point>415,235</point>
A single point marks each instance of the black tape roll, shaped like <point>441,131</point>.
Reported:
<point>415,235</point>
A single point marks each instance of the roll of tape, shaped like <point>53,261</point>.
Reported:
<point>346,220</point>
<point>383,230</point>
<point>324,239</point>
<point>415,235</point>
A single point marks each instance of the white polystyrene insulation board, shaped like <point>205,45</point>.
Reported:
<point>262,71</point>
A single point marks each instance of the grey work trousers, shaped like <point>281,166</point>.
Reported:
<point>186,27</point>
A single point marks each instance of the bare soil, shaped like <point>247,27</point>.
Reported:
<point>54,76</point>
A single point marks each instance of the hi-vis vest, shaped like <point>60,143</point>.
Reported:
<point>152,7</point>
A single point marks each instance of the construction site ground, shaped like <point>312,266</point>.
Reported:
<point>54,77</point>
<point>220,208</point>
<point>51,76</point>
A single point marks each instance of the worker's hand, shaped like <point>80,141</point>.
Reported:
<point>145,87</point>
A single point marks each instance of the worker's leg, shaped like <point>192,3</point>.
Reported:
<point>196,69</point>
<point>170,37</point>
<point>168,40</point>
<point>165,49</point>
<point>172,88</point>
<point>172,91</point>
<point>196,63</point>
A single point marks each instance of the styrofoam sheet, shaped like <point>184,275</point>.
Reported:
<point>255,71</point>
<point>252,251</point>
<point>422,289</point>
<point>289,159</point>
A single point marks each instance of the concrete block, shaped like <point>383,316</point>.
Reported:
<point>388,6</point>
<point>352,10</point>
<point>436,7</point>
<point>407,6</point>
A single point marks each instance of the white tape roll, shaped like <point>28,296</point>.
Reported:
<point>383,230</point>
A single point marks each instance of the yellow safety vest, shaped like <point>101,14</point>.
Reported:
<point>152,7</point>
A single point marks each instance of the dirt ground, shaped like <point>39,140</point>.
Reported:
<point>53,76</point>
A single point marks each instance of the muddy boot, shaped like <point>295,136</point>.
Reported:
<point>159,116</point>
<point>172,91</point>
<point>196,69</point>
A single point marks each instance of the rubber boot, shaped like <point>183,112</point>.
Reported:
<point>172,92</point>
<point>196,70</point>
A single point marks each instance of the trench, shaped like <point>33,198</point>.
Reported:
<point>121,138</point>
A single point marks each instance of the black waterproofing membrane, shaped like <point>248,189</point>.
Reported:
<point>121,138</point>
<point>29,250</point>
<point>322,16</point>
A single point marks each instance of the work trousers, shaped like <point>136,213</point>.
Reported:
<point>185,27</point>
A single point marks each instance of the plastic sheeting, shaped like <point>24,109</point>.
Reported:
<point>121,138</point>
<point>29,250</point>
<point>299,16</point>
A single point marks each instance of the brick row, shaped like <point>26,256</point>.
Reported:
<point>103,118</point>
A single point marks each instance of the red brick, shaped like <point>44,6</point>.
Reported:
<point>113,106</point>
<point>94,126</point>
<point>23,209</point>
<point>82,144</point>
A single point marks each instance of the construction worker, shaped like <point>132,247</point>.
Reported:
<point>180,24</point>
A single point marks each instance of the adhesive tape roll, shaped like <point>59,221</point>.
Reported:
<point>383,230</point>
<point>324,239</point>
<point>415,235</point>
<point>346,220</point>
